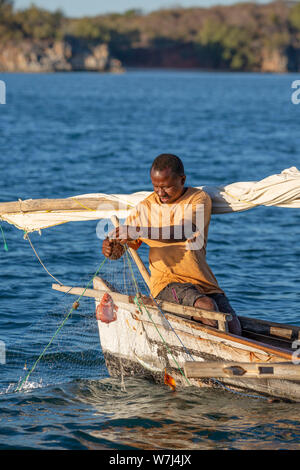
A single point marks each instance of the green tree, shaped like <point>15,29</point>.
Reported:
<point>39,23</point>
<point>9,28</point>
<point>294,16</point>
<point>133,12</point>
<point>228,45</point>
<point>6,5</point>
<point>89,29</point>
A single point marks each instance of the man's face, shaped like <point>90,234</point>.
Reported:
<point>167,185</point>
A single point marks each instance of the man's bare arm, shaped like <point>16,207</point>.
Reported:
<point>171,234</point>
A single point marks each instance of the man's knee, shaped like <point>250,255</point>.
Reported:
<point>206,303</point>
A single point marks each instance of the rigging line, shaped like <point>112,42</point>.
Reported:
<point>228,389</point>
<point>161,311</point>
<point>132,273</point>
<point>58,329</point>
<point>26,236</point>
<point>241,200</point>
<point>85,207</point>
<point>136,300</point>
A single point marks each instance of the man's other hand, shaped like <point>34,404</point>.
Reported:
<point>112,249</point>
<point>107,246</point>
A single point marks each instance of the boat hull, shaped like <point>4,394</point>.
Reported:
<point>144,342</point>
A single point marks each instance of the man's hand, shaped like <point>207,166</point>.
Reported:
<point>112,249</point>
<point>107,246</point>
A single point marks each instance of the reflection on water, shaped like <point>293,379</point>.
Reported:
<point>149,416</point>
<point>106,414</point>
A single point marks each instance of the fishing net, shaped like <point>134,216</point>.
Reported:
<point>62,344</point>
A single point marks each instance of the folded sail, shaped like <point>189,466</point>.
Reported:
<point>281,190</point>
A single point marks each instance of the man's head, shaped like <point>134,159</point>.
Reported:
<point>168,178</point>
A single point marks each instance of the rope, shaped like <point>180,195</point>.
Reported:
<point>58,329</point>
<point>80,203</point>
<point>26,236</point>
<point>241,200</point>
<point>132,273</point>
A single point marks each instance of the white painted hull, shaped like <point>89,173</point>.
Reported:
<point>135,345</point>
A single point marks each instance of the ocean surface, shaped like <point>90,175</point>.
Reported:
<point>67,134</point>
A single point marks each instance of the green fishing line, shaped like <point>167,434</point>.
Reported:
<point>4,241</point>
<point>58,330</point>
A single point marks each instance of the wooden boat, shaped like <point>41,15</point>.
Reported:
<point>151,340</point>
<point>146,340</point>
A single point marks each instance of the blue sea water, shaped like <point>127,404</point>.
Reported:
<point>67,134</point>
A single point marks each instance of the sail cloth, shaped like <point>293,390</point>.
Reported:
<point>281,190</point>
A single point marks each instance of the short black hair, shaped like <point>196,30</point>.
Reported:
<point>168,160</point>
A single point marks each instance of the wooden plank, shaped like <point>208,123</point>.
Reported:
<point>136,257</point>
<point>280,370</point>
<point>194,312</point>
<point>281,332</point>
<point>268,328</point>
<point>142,268</point>
<point>128,300</point>
<point>259,345</point>
<point>187,312</point>
<point>271,340</point>
<point>36,205</point>
<point>223,326</point>
<point>99,283</point>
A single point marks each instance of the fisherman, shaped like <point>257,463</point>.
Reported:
<point>177,255</point>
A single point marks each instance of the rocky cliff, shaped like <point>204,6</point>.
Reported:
<point>240,37</point>
<point>75,55</point>
<point>53,56</point>
<point>187,56</point>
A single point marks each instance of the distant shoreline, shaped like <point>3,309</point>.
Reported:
<point>152,69</point>
<point>247,37</point>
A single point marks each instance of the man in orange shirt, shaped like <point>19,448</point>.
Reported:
<point>173,221</point>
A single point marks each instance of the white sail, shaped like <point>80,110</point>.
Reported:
<point>281,190</point>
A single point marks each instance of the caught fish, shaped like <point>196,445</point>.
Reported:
<point>106,310</point>
<point>170,381</point>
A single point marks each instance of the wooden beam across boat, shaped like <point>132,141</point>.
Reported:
<point>73,203</point>
<point>184,311</point>
<point>258,370</point>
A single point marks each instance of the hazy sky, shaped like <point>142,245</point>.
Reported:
<point>93,7</point>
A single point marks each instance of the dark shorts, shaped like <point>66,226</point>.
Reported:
<point>187,294</point>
